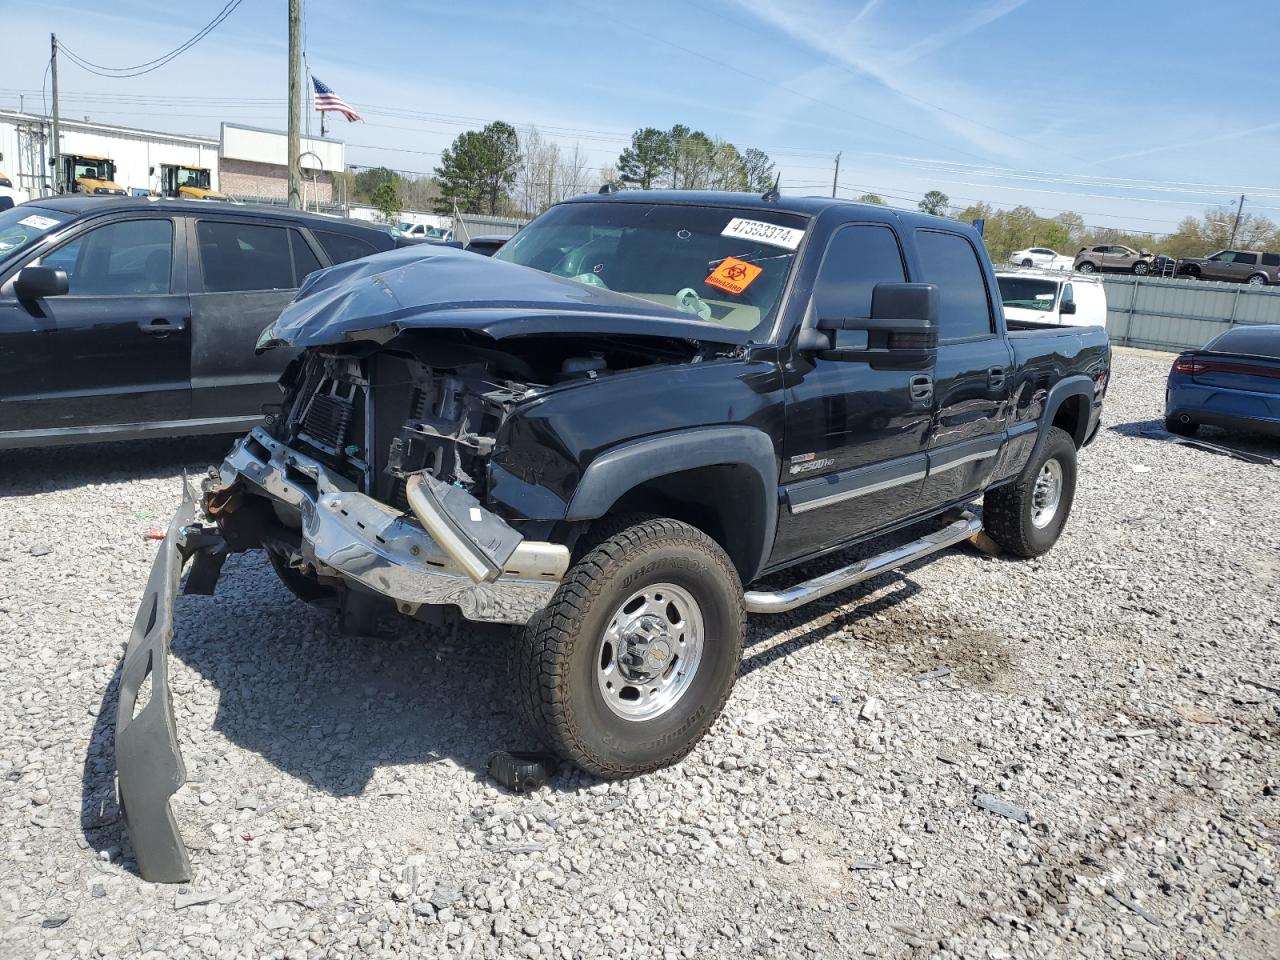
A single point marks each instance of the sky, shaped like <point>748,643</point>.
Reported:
<point>1134,115</point>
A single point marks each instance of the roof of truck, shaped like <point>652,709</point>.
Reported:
<point>805,206</point>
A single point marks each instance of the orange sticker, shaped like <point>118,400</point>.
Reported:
<point>733,275</point>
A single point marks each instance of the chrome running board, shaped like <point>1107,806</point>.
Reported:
<point>780,601</point>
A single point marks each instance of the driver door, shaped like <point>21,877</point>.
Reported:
<point>119,340</point>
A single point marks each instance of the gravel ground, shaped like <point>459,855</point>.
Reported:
<point>1121,696</point>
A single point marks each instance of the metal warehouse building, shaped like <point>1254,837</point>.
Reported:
<point>247,162</point>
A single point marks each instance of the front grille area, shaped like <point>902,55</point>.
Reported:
<point>327,418</point>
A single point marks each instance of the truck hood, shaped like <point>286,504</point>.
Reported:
<point>426,287</point>
<point>200,193</point>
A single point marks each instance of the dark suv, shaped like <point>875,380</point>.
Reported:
<point>1240,266</point>
<point>123,318</point>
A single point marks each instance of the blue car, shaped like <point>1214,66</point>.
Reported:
<point>1233,381</point>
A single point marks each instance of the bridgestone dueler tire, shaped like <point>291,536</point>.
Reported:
<point>556,663</point>
<point>1007,511</point>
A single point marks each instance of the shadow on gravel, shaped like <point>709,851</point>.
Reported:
<point>1241,440</point>
<point>53,469</point>
<point>319,706</point>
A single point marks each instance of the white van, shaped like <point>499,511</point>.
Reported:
<point>1041,297</point>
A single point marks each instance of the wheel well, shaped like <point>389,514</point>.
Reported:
<point>1073,417</point>
<point>714,499</point>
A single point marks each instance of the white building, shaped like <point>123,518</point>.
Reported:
<point>243,161</point>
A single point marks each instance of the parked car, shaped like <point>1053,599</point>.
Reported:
<point>1241,266</point>
<point>1114,258</point>
<point>1041,257</point>
<point>1071,301</point>
<point>123,318</point>
<point>1232,381</point>
<point>486,246</point>
<point>643,403</point>
<point>421,231</point>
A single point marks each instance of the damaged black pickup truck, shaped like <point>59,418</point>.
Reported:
<point>642,405</point>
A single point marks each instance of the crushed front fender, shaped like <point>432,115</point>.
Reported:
<point>149,767</point>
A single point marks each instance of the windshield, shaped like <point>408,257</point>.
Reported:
<point>722,265</point>
<point>23,225</point>
<point>1028,293</point>
<point>190,177</point>
<point>94,170</point>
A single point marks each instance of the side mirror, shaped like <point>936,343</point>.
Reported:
<point>901,333</point>
<point>1068,307</point>
<point>36,283</point>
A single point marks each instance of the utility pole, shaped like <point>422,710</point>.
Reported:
<point>1239,210</point>
<point>56,154</point>
<point>295,103</point>
<point>836,177</point>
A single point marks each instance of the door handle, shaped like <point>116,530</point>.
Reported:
<point>921,387</point>
<point>161,326</point>
<point>995,377</point>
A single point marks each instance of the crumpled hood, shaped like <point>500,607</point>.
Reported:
<point>437,287</point>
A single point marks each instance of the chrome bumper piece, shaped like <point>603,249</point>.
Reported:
<point>350,535</point>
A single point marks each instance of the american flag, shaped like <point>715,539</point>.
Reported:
<point>326,99</point>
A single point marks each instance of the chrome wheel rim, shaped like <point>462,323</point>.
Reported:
<point>1256,281</point>
<point>648,655</point>
<point>1046,495</point>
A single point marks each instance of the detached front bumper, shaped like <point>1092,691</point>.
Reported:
<point>344,534</point>
<point>379,549</point>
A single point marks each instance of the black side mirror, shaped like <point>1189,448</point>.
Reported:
<point>901,333</point>
<point>6,203</point>
<point>1068,307</point>
<point>36,283</point>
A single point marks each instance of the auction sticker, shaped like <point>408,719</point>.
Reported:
<point>786,237</point>
<point>734,275</point>
<point>37,221</point>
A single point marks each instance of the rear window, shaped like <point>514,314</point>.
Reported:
<point>950,261</point>
<point>1030,293</point>
<point>252,256</point>
<point>342,247</point>
<point>1247,258</point>
<point>1251,341</point>
<point>1271,259</point>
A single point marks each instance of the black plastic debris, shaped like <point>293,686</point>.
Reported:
<point>522,772</point>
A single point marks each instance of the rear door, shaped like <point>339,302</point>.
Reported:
<point>118,343</point>
<point>973,372</point>
<point>244,271</point>
<point>1242,266</point>
<point>854,441</point>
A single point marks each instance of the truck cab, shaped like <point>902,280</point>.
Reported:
<point>189,183</point>
<point>82,173</point>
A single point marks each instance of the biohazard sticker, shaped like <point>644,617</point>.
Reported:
<point>734,275</point>
<point>788,238</point>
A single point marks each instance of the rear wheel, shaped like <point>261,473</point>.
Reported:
<point>1182,425</point>
<point>1086,267</point>
<point>1027,517</point>
<point>1258,280</point>
<point>632,661</point>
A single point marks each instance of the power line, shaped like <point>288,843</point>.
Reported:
<point>141,69</point>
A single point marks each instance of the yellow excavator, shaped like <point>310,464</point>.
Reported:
<point>190,183</point>
<point>82,173</point>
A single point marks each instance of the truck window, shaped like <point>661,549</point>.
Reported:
<point>949,260</point>
<point>857,258</point>
<point>130,258</point>
<point>340,247</point>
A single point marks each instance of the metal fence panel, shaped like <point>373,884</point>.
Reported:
<point>1169,314</point>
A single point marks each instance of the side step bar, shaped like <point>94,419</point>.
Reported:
<point>780,601</point>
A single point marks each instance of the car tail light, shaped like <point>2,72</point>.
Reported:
<point>1189,365</point>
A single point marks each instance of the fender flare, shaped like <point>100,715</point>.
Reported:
<point>1077,385</point>
<point>628,465</point>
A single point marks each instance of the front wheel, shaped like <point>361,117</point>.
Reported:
<point>632,661</point>
<point>1027,516</point>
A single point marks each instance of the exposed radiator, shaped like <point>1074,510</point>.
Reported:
<point>327,418</point>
